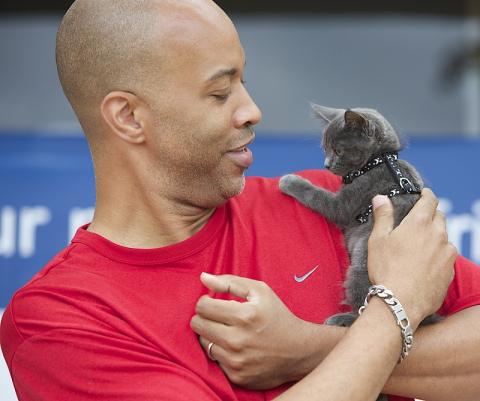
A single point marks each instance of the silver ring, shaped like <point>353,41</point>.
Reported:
<point>209,351</point>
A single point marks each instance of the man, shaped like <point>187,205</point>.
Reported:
<point>157,87</point>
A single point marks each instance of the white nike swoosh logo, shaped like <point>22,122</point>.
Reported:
<point>305,276</point>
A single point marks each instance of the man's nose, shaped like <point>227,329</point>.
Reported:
<point>256,114</point>
<point>248,113</point>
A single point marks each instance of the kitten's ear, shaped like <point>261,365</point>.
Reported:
<point>356,120</point>
<point>325,114</point>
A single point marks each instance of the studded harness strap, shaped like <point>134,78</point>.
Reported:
<point>403,184</point>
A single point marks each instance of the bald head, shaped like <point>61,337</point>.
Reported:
<point>115,45</point>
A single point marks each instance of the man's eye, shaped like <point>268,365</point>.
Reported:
<point>221,98</point>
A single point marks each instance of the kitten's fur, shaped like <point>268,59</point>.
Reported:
<point>351,139</point>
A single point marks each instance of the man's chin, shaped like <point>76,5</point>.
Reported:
<point>234,188</point>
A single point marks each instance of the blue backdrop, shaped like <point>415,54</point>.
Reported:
<point>47,190</point>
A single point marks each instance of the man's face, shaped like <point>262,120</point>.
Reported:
<point>202,116</point>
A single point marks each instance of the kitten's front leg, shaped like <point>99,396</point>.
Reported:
<point>318,199</point>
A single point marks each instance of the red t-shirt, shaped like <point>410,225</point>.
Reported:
<point>106,322</point>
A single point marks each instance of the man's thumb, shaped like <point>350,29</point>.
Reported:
<point>383,215</point>
<point>227,283</point>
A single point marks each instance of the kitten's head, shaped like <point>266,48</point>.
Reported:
<point>354,136</point>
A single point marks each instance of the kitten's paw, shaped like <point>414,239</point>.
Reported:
<point>290,184</point>
<point>342,319</point>
<point>431,319</point>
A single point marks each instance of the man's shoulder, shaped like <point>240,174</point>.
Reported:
<point>265,185</point>
<point>263,206</point>
<point>322,178</point>
<point>263,193</point>
<point>49,300</point>
<point>26,306</point>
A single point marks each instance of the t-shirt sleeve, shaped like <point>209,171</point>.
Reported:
<point>75,364</point>
<point>63,347</point>
<point>464,291</point>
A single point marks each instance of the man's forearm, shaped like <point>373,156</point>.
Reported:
<point>359,364</point>
<point>443,365</point>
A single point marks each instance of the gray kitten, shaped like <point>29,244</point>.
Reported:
<point>361,146</point>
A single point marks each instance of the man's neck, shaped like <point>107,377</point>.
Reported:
<point>141,225</point>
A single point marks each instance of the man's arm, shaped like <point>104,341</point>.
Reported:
<point>77,364</point>
<point>443,365</point>
<point>284,348</point>
<point>353,371</point>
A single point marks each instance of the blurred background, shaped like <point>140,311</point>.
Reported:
<point>416,62</point>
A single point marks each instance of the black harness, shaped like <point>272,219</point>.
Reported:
<point>403,184</point>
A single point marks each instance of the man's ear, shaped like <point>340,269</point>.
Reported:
<point>121,111</point>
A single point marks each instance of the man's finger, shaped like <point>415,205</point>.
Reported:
<point>440,220</point>
<point>214,331</point>
<point>425,208</point>
<point>383,216</point>
<point>227,283</point>
<point>429,198</point>
<point>216,351</point>
<point>219,310</point>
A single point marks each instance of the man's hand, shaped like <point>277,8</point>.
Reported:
<point>257,343</point>
<point>414,260</point>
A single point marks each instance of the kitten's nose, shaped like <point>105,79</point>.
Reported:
<point>327,164</point>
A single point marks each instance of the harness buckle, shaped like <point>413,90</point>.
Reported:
<point>406,185</point>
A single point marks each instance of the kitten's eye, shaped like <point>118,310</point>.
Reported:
<point>338,152</point>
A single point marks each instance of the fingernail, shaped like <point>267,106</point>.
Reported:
<point>379,200</point>
<point>208,275</point>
